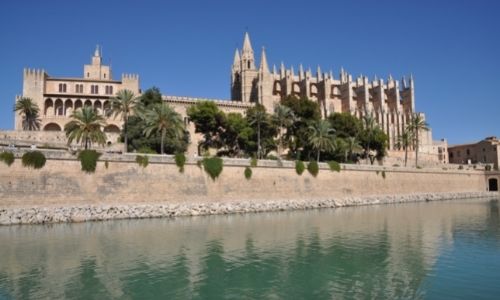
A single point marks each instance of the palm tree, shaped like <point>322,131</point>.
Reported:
<point>160,117</point>
<point>123,105</point>
<point>259,117</point>
<point>417,124</point>
<point>353,146</point>
<point>321,136</point>
<point>284,117</point>
<point>369,125</point>
<point>30,111</point>
<point>404,141</point>
<point>86,127</point>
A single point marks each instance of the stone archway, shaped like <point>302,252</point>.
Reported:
<point>493,185</point>
<point>112,129</point>
<point>52,127</point>
<point>48,108</point>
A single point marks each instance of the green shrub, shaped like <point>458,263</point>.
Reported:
<point>7,158</point>
<point>299,167</point>
<point>334,166</point>
<point>34,159</point>
<point>88,160</point>
<point>146,150</point>
<point>419,167</point>
<point>487,168</point>
<point>180,160</point>
<point>383,174</point>
<point>248,173</point>
<point>142,160</point>
<point>272,157</point>
<point>213,166</point>
<point>460,167</point>
<point>106,164</point>
<point>395,165</point>
<point>253,162</point>
<point>313,168</point>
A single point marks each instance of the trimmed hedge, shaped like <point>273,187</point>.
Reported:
<point>213,166</point>
<point>334,166</point>
<point>180,160</point>
<point>88,160</point>
<point>142,160</point>
<point>34,159</point>
<point>7,157</point>
<point>299,167</point>
<point>313,168</point>
<point>248,173</point>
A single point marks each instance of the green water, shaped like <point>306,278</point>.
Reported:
<point>435,250</point>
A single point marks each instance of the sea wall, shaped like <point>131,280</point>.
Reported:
<point>124,189</point>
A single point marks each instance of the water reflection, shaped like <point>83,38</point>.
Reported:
<point>421,250</point>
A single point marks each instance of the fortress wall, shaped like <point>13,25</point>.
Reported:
<point>62,183</point>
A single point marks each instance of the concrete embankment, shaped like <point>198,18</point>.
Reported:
<point>61,192</point>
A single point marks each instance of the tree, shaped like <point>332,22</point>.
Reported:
<point>404,141</point>
<point>321,136</point>
<point>353,146</point>
<point>345,124</point>
<point>123,105</point>
<point>306,112</point>
<point>416,125</point>
<point>236,134</point>
<point>30,111</point>
<point>162,118</point>
<point>208,120</point>
<point>284,117</point>
<point>85,126</point>
<point>256,117</point>
<point>373,139</point>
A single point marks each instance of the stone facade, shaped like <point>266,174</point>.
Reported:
<point>483,152</point>
<point>390,102</point>
<point>58,97</point>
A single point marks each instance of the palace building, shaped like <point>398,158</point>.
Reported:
<point>390,102</point>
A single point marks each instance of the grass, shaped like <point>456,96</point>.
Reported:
<point>299,167</point>
<point>142,160</point>
<point>248,173</point>
<point>334,166</point>
<point>213,166</point>
<point>7,157</point>
<point>34,159</point>
<point>88,160</point>
<point>313,168</point>
<point>180,160</point>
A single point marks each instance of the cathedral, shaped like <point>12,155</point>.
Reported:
<point>391,103</point>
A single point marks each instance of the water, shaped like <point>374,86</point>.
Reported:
<point>436,250</point>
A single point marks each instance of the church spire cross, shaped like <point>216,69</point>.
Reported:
<point>263,62</point>
<point>247,46</point>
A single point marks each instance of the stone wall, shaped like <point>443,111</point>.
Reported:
<point>61,182</point>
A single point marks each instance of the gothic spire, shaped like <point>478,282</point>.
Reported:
<point>247,46</point>
<point>237,59</point>
<point>97,52</point>
<point>264,68</point>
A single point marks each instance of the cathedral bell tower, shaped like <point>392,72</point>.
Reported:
<point>244,75</point>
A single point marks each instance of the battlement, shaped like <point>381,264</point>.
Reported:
<point>127,76</point>
<point>34,73</point>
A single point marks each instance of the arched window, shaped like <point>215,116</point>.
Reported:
<point>248,64</point>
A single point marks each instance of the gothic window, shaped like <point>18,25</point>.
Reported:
<point>104,75</point>
<point>248,64</point>
<point>88,74</point>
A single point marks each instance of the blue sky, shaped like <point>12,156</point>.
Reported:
<point>186,47</point>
